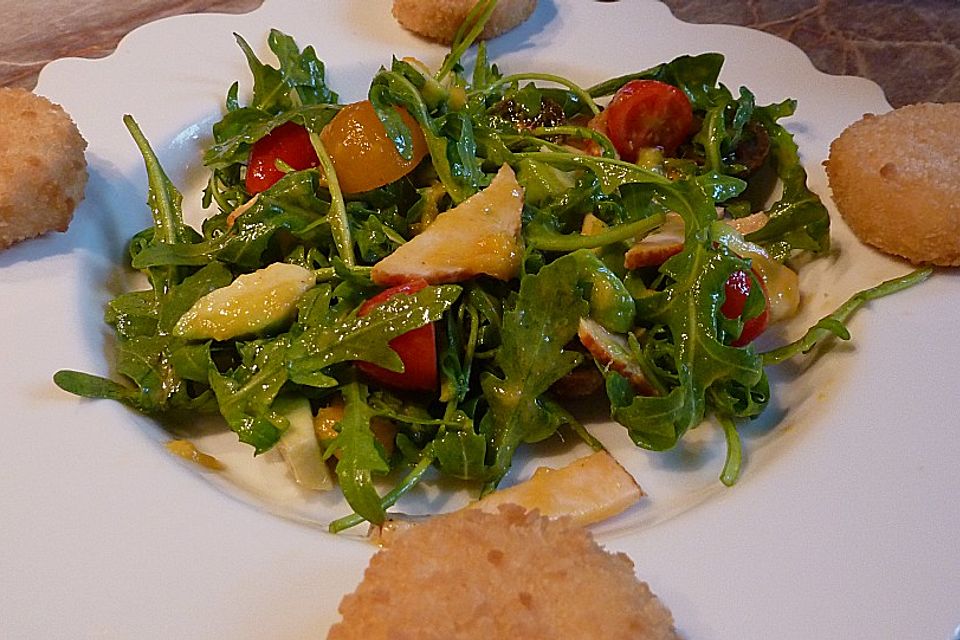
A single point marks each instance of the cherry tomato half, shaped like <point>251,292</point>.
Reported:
<point>648,113</point>
<point>736,291</point>
<point>289,143</point>
<point>362,154</point>
<point>417,348</point>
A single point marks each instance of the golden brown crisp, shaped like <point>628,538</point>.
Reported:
<point>439,19</point>
<point>896,181</point>
<point>471,575</point>
<point>43,171</point>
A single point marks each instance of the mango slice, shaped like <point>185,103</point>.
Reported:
<point>587,490</point>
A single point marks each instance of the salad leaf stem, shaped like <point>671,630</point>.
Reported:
<point>540,238</point>
<point>734,459</point>
<point>611,172</point>
<point>466,35</point>
<point>326,274</point>
<point>834,323</point>
<point>608,150</point>
<point>390,498</point>
<point>337,216</point>
<point>163,198</point>
<point>574,88</point>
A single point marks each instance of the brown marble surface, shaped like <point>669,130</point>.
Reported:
<point>911,48</point>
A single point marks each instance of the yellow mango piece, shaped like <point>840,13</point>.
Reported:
<point>188,451</point>
<point>325,427</point>
<point>587,490</point>
<point>481,235</point>
<point>253,303</point>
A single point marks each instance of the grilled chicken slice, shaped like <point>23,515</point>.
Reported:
<point>667,241</point>
<point>612,352</point>
<point>480,236</point>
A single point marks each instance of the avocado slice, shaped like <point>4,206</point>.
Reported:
<point>253,303</point>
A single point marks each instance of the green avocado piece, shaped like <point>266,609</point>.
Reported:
<point>251,304</point>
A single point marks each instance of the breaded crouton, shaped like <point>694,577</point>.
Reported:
<point>896,181</point>
<point>472,575</point>
<point>439,19</point>
<point>43,171</point>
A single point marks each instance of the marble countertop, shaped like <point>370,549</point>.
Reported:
<point>911,48</point>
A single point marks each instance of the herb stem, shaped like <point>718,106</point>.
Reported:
<point>468,32</point>
<point>326,274</point>
<point>548,241</point>
<point>391,497</point>
<point>626,172</point>
<point>833,324</point>
<point>574,88</point>
<point>734,459</point>
<point>162,198</point>
<point>339,222</point>
<point>609,151</point>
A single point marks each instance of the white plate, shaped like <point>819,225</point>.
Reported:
<point>842,526</point>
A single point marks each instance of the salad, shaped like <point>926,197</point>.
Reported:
<point>426,279</point>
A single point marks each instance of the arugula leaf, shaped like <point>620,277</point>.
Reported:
<point>694,75</point>
<point>723,124</point>
<point>133,314</point>
<point>291,205</point>
<point>145,360</point>
<point>300,75</point>
<point>360,455</point>
<point>798,220</point>
<point>367,338</point>
<point>834,324</point>
<point>245,395</point>
<point>303,72</point>
<point>164,201</point>
<point>453,158</point>
<point>689,307</point>
<point>461,453</point>
<point>87,385</point>
<point>532,357</point>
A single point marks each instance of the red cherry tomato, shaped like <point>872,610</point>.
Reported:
<point>417,348</point>
<point>736,291</point>
<point>648,113</point>
<point>289,143</point>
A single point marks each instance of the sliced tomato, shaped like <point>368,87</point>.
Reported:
<point>289,143</point>
<point>736,291</point>
<point>648,113</point>
<point>417,348</point>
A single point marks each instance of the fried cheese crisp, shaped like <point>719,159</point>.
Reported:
<point>43,171</point>
<point>439,20</point>
<point>896,181</point>
<point>472,575</point>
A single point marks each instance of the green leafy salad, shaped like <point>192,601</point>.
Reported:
<point>614,241</point>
